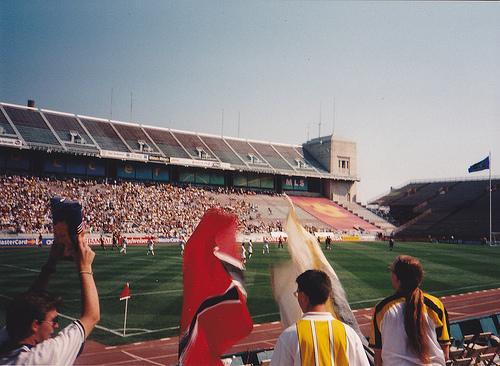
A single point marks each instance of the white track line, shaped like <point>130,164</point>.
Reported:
<point>434,292</point>
<point>138,358</point>
<point>263,315</point>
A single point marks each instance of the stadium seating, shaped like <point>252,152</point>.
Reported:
<point>250,155</point>
<point>167,142</point>
<point>274,209</point>
<point>396,194</point>
<point>367,215</point>
<point>138,207</point>
<point>452,211</point>
<point>333,214</point>
<point>135,137</point>
<point>271,156</point>
<point>293,158</point>
<point>194,145</point>
<point>5,127</point>
<point>222,150</point>
<point>105,135</point>
<point>81,135</point>
<point>70,132</point>
<point>32,126</point>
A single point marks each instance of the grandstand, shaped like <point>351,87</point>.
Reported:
<point>448,210</point>
<point>44,143</point>
<point>138,179</point>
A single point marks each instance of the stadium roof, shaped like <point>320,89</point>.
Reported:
<point>33,128</point>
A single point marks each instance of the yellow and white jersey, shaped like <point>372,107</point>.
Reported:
<point>319,340</point>
<point>388,331</point>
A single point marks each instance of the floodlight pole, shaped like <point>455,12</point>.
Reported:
<point>489,158</point>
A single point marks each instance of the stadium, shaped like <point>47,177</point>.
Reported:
<point>137,180</point>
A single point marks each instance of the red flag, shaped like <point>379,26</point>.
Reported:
<point>125,294</point>
<point>214,312</point>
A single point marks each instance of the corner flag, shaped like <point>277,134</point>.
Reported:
<point>482,165</point>
<point>125,294</point>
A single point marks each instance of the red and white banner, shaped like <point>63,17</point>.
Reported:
<point>214,311</point>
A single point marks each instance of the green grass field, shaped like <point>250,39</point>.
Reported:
<point>156,282</point>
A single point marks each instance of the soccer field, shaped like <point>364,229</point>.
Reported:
<point>156,282</point>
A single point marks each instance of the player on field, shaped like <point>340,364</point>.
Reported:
<point>250,249</point>
<point>124,245</point>
<point>101,241</point>
<point>265,248</point>
<point>243,253</point>
<point>151,246</point>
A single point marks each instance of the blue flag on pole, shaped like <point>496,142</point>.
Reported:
<point>482,165</point>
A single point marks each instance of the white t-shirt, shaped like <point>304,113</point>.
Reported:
<point>60,350</point>
<point>388,331</point>
<point>287,351</point>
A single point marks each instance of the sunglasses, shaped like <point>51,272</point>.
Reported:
<point>54,322</point>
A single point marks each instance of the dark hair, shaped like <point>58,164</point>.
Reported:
<point>316,285</point>
<point>410,273</point>
<point>24,309</point>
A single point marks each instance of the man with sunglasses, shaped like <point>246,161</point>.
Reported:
<point>32,317</point>
<point>317,338</point>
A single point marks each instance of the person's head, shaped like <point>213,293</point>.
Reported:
<point>32,317</point>
<point>407,273</point>
<point>313,288</point>
<point>407,276</point>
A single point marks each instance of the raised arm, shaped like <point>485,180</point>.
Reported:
<point>90,314</point>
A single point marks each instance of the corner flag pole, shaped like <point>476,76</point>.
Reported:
<point>491,243</point>
<point>125,319</point>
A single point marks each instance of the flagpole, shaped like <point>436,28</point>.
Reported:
<point>125,319</point>
<point>489,157</point>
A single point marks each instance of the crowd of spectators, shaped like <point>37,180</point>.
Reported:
<point>123,206</point>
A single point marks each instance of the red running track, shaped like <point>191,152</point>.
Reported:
<point>163,352</point>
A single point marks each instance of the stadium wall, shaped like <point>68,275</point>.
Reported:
<point>134,239</point>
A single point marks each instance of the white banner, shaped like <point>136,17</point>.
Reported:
<point>11,142</point>
<point>160,159</point>
<point>200,163</point>
<point>123,155</point>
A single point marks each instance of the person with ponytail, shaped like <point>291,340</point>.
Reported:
<point>409,327</point>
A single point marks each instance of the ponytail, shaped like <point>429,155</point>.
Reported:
<point>410,273</point>
<point>415,324</point>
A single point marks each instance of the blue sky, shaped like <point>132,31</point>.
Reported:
<point>415,84</point>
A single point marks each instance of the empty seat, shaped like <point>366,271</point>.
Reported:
<point>462,362</point>
<point>486,359</point>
